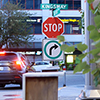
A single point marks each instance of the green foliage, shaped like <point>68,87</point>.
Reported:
<point>64,47</point>
<point>82,47</point>
<point>90,27</point>
<point>96,74</point>
<point>95,53</point>
<point>81,56</point>
<point>70,49</point>
<point>61,38</point>
<point>14,30</point>
<point>97,45</point>
<point>95,36</point>
<point>90,1</point>
<point>92,60</point>
<point>81,21</point>
<point>83,66</point>
<point>97,20</point>
<point>94,71</point>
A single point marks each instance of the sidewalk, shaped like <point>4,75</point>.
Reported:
<point>71,92</point>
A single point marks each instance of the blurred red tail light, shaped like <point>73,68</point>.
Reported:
<point>18,62</point>
<point>17,76</point>
<point>2,53</point>
<point>18,65</point>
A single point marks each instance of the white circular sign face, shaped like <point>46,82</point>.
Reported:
<point>51,49</point>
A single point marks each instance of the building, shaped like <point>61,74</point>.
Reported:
<point>70,17</point>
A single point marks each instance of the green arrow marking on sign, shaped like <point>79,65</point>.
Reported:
<point>56,12</point>
<point>53,6</point>
<point>46,52</point>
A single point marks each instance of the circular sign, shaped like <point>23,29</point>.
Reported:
<point>54,45</point>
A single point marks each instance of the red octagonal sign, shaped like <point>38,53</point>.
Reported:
<point>52,27</point>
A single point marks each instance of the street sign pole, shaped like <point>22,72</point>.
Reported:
<point>52,11</point>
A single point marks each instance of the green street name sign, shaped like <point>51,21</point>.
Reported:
<point>53,6</point>
<point>56,12</point>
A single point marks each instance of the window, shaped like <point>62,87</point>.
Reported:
<point>44,63</point>
<point>29,4</point>
<point>72,4</point>
<point>75,43</point>
<point>30,30</point>
<point>39,63</point>
<point>4,2</point>
<point>61,1</point>
<point>25,4</point>
<point>37,4</point>
<point>37,45</point>
<point>13,1</point>
<point>71,43</point>
<point>72,29</point>
<point>68,29</point>
<point>76,29</point>
<point>68,43</point>
<point>77,4</point>
<point>8,56</point>
<point>35,25</point>
<point>22,2</point>
<point>0,3</point>
<point>23,60</point>
<point>53,1</point>
<point>30,45</point>
<point>37,29</point>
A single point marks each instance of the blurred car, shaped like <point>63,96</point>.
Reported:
<point>12,67</point>
<point>41,66</point>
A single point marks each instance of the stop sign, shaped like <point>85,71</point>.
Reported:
<point>52,27</point>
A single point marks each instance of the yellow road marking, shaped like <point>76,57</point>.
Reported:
<point>60,88</point>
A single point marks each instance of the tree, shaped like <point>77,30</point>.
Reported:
<point>95,37</point>
<point>14,28</point>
